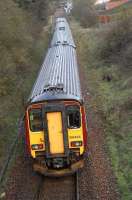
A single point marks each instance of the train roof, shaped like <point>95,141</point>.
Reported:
<point>62,34</point>
<point>58,77</point>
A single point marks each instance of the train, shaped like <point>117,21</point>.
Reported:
<point>55,119</point>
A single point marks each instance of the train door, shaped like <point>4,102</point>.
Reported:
<point>55,132</point>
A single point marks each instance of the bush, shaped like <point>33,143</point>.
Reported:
<point>20,55</point>
<point>115,45</point>
<point>111,98</point>
<point>85,13</point>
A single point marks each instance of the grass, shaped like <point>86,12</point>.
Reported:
<point>23,44</point>
<point>113,102</point>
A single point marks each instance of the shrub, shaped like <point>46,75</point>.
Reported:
<point>115,45</point>
<point>85,13</point>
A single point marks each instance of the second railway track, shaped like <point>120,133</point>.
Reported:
<point>64,188</point>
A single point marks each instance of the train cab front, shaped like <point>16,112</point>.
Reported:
<point>56,137</point>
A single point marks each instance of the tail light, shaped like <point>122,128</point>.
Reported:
<point>37,146</point>
<point>76,144</point>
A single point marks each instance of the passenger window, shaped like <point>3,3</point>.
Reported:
<point>35,117</point>
<point>73,117</point>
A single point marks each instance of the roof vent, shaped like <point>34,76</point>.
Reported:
<point>62,28</point>
<point>54,88</point>
<point>65,42</point>
<point>58,42</point>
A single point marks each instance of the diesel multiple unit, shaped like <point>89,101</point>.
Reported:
<point>55,115</point>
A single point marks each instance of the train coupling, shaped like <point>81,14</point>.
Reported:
<point>44,170</point>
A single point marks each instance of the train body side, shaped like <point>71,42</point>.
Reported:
<point>55,115</point>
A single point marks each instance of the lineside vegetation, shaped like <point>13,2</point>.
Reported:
<point>105,53</point>
<point>84,11</point>
<point>23,40</point>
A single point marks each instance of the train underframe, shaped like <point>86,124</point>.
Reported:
<point>58,166</point>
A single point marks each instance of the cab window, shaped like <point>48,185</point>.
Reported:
<point>73,117</point>
<point>35,118</point>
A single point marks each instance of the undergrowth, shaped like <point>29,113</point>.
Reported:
<point>23,43</point>
<point>109,83</point>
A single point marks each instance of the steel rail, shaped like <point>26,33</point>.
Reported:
<point>38,190</point>
<point>5,167</point>
<point>11,153</point>
<point>77,186</point>
<point>39,193</point>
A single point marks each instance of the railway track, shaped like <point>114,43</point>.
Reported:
<point>64,188</point>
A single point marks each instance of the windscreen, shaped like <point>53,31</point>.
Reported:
<point>35,118</point>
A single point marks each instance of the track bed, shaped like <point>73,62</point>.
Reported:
<point>57,189</point>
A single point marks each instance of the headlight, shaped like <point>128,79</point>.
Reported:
<point>37,146</point>
<point>76,144</point>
